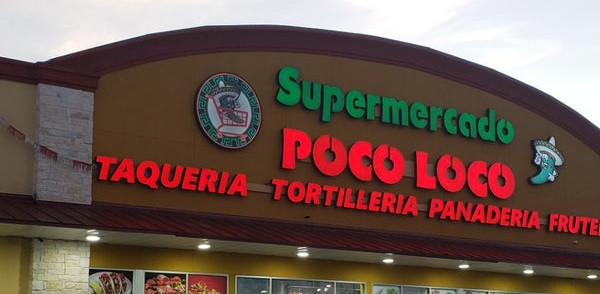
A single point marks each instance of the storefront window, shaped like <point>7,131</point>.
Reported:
<point>442,291</point>
<point>260,285</point>
<point>414,290</point>
<point>400,289</point>
<point>478,292</point>
<point>349,288</point>
<point>247,285</point>
<point>302,287</point>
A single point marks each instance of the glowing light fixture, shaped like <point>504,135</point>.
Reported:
<point>92,235</point>
<point>302,252</point>
<point>528,270</point>
<point>464,265</point>
<point>92,238</point>
<point>389,258</point>
<point>592,276</point>
<point>205,245</point>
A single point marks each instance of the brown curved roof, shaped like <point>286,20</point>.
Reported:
<point>104,59</point>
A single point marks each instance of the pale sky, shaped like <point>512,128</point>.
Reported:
<point>549,44</point>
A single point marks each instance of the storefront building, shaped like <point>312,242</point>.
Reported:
<point>265,142</point>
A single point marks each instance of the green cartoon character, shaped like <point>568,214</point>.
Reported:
<point>547,158</point>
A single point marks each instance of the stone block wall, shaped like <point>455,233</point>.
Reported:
<point>59,267</point>
<point>65,125</point>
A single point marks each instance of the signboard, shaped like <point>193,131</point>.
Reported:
<point>229,114</point>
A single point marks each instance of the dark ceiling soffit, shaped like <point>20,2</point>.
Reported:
<point>257,38</point>
<point>24,210</point>
<point>43,73</point>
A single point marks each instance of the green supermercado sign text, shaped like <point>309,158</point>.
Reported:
<point>332,99</point>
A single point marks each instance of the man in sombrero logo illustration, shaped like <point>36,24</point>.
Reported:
<point>547,158</point>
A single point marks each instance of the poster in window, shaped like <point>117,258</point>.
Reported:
<point>159,282</point>
<point>442,291</point>
<point>102,281</point>
<point>414,290</point>
<point>385,289</point>
<point>207,284</point>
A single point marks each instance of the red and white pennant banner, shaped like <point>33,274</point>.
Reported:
<point>49,153</point>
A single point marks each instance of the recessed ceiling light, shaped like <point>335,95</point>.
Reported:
<point>389,258</point>
<point>205,245</point>
<point>92,238</point>
<point>302,252</point>
<point>528,270</point>
<point>592,276</point>
<point>464,265</point>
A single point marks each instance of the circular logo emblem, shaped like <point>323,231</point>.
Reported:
<point>228,111</point>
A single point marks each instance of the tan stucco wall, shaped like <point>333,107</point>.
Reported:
<point>146,112</point>
<point>15,256</point>
<point>17,107</point>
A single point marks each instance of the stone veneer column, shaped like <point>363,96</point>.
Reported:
<point>59,267</point>
<point>65,125</point>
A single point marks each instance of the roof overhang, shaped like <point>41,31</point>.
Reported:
<point>24,210</point>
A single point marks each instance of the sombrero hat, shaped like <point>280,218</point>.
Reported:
<point>549,147</point>
<point>229,89</point>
